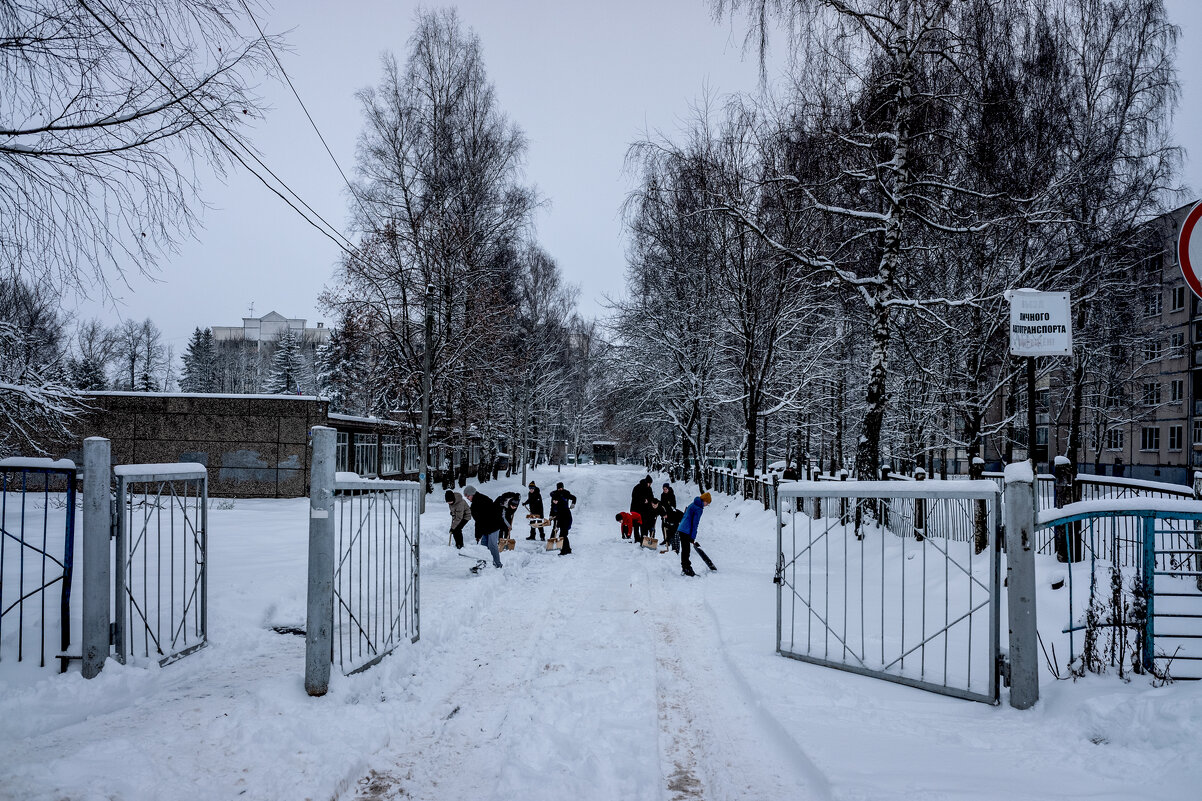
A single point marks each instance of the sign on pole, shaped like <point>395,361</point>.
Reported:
<point>1189,250</point>
<point>1040,323</point>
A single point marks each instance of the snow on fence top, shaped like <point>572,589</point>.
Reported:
<point>346,480</point>
<point>37,463</point>
<point>1048,517</point>
<point>1138,483</point>
<point>170,471</point>
<point>1019,471</point>
<point>603,442</point>
<point>130,394</point>
<point>890,489</point>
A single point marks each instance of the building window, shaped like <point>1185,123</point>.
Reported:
<point>390,454</point>
<point>1041,435</point>
<point>365,454</point>
<point>1149,438</point>
<point>1114,396</point>
<point>1178,390</point>
<point>1152,393</point>
<point>1153,350</point>
<point>411,465</point>
<point>1152,303</point>
<point>1198,432</point>
<point>340,452</point>
<point>1114,439</point>
<point>1178,294</point>
<point>1176,345</point>
<point>1175,436</point>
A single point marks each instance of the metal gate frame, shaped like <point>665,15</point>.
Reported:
<point>376,569</point>
<point>850,495</point>
<point>48,469</point>
<point>132,539</point>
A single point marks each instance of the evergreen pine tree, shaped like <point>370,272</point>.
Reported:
<point>286,366</point>
<point>200,363</point>
<point>339,370</point>
<point>86,373</point>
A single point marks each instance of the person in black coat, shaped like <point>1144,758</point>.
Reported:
<point>534,504</point>
<point>672,518</point>
<point>640,501</point>
<point>508,503</point>
<point>667,500</point>
<point>653,511</point>
<point>562,502</point>
<point>489,521</point>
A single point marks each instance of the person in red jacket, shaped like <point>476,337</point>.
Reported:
<point>632,523</point>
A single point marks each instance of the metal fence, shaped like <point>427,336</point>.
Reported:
<point>161,581</point>
<point>376,570</point>
<point>37,556</point>
<point>861,588</point>
<point>1158,597</point>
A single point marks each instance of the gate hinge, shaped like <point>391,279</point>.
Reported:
<point>1003,669</point>
<point>113,519</point>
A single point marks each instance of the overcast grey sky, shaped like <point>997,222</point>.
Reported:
<point>582,79</point>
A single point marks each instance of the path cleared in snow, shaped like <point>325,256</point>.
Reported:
<point>600,675</point>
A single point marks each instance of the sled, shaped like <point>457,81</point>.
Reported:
<point>554,543</point>
<point>650,542</point>
<point>505,544</point>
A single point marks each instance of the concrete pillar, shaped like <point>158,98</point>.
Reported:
<point>1020,582</point>
<point>319,619</point>
<point>97,532</point>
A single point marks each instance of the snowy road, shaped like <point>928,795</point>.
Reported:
<point>601,675</point>
<point>590,676</point>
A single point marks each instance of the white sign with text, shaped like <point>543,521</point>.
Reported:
<point>1040,323</point>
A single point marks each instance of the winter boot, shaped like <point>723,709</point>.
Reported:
<point>688,571</point>
<point>530,537</point>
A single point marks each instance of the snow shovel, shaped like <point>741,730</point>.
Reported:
<point>554,543</point>
<point>650,542</point>
<point>704,558</point>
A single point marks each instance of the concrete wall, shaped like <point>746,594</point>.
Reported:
<point>254,446</point>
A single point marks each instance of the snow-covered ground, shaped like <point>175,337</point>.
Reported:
<point>600,675</point>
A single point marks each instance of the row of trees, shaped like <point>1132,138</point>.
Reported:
<point>443,218</point>
<point>832,257</point>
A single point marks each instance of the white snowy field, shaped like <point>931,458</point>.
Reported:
<point>600,675</point>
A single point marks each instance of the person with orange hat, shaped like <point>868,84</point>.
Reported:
<point>687,530</point>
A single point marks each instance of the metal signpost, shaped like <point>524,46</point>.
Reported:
<point>1040,325</point>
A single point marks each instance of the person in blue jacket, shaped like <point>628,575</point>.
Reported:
<point>687,530</point>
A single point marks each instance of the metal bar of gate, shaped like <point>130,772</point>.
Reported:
<point>897,604</point>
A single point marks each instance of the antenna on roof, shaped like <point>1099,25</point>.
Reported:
<point>252,308</point>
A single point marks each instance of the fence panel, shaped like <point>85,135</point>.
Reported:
<point>161,581</point>
<point>37,545</point>
<point>860,590</point>
<point>376,575</point>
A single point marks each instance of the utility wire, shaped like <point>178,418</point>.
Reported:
<point>296,94</point>
<point>345,244</point>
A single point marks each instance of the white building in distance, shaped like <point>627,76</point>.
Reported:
<point>269,327</point>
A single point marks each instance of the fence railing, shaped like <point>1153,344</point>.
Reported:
<point>37,557</point>
<point>162,561</point>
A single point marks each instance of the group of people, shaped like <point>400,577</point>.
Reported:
<point>495,518</point>
<point>679,526</point>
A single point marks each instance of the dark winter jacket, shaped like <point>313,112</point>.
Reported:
<point>560,507</point>
<point>690,520</point>
<point>672,518</point>
<point>639,497</point>
<point>487,514</point>
<point>667,500</point>
<point>534,502</point>
<point>503,503</point>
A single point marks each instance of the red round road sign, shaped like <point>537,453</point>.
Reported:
<point>1189,250</point>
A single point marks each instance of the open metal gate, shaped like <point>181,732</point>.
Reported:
<point>893,579</point>
<point>376,572</point>
<point>37,557</point>
<point>161,581</point>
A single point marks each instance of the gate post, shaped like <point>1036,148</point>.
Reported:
<point>1198,530</point>
<point>1020,582</point>
<point>97,532</point>
<point>319,618</point>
